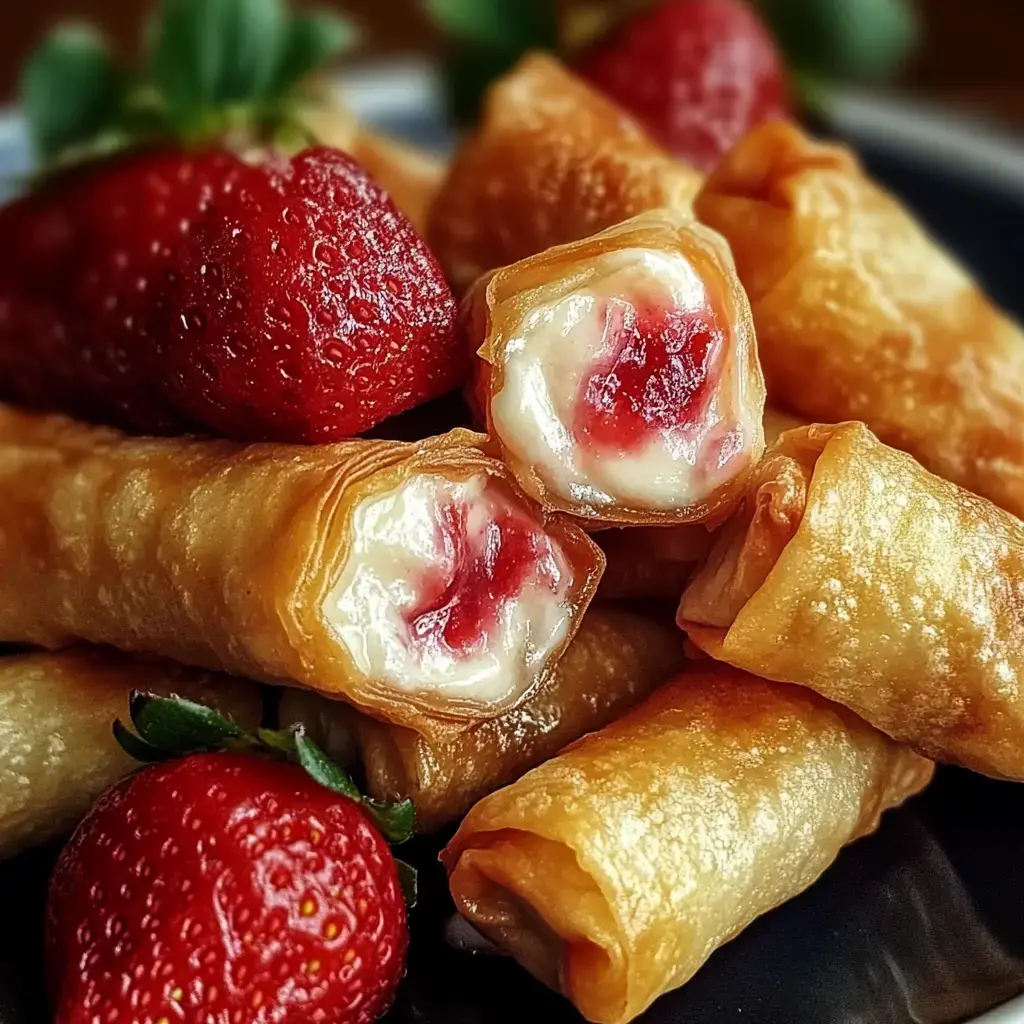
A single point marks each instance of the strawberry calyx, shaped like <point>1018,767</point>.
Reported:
<point>211,71</point>
<point>168,727</point>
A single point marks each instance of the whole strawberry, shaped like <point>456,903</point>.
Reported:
<point>226,887</point>
<point>699,74</point>
<point>196,264</point>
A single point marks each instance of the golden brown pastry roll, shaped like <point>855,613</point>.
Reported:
<point>861,315</point>
<point>650,561</point>
<point>57,748</point>
<point>619,374</point>
<point>411,176</point>
<point>852,570</point>
<point>552,161</point>
<point>614,870</point>
<point>615,661</point>
<point>414,580</point>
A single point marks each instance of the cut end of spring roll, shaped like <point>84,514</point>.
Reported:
<point>852,570</point>
<point>57,747</point>
<point>862,315</point>
<point>552,161</point>
<point>619,374</point>
<point>616,660</point>
<point>614,870</point>
<point>414,580</point>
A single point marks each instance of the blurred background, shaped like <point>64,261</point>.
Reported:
<point>967,52</point>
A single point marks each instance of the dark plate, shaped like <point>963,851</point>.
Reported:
<point>922,923</point>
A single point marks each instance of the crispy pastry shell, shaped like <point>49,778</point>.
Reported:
<point>552,161</point>
<point>852,570</point>
<point>861,315</point>
<point>614,870</point>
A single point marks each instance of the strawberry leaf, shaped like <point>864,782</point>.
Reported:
<point>135,747</point>
<point>397,821</point>
<point>71,89</point>
<point>313,37</point>
<point>180,726</point>
<point>506,25</point>
<point>409,882</point>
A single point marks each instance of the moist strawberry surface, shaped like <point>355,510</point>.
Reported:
<point>698,73</point>
<point>282,299</point>
<point>225,887</point>
<point>659,375</point>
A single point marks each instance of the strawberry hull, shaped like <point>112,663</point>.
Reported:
<point>285,299</point>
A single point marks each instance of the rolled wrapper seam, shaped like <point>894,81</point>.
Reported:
<point>496,314</point>
<point>217,554</point>
<point>614,870</point>
<point>852,570</point>
<point>861,315</point>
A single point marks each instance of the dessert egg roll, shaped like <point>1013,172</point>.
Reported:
<point>615,661</point>
<point>650,561</point>
<point>860,315</point>
<point>619,374</point>
<point>614,870</point>
<point>414,580</point>
<point>57,747</point>
<point>851,569</point>
<point>552,161</point>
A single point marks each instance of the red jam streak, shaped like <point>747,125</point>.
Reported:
<point>462,599</point>
<point>658,376</point>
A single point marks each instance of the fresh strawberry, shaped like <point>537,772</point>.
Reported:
<point>221,286</point>
<point>226,886</point>
<point>304,306</point>
<point>699,74</point>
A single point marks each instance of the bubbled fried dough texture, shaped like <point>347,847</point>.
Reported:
<point>614,662</point>
<point>552,161</point>
<point>614,870</point>
<point>212,553</point>
<point>854,571</point>
<point>57,750</point>
<point>861,315</point>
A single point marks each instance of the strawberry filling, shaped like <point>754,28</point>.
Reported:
<point>483,568</point>
<point>657,376</point>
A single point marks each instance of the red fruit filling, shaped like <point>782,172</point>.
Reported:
<point>658,376</point>
<point>482,570</point>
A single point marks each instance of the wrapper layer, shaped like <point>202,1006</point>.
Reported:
<point>615,661</point>
<point>860,315</point>
<point>318,566</point>
<point>619,374</point>
<point>57,748</point>
<point>614,870</point>
<point>552,161</point>
<point>854,571</point>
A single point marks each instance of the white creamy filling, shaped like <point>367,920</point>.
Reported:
<point>555,349</point>
<point>396,547</point>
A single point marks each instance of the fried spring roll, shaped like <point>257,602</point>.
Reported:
<point>57,748</point>
<point>860,315</point>
<point>852,570</point>
<point>414,580</point>
<point>614,870</point>
<point>614,662</point>
<point>411,176</point>
<point>650,561</point>
<point>619,374</point>
<point>552,161</point>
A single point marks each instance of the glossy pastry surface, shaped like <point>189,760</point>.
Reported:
<point>552,161</point>
<point>619,373</point>
<point>852,570</point>
<point>615,660</point>
<point>413,579</point>
<point>614,870</point>
<point>861,315</point>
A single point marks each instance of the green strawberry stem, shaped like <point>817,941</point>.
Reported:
<point>168,727</point>
<point>211,70</point>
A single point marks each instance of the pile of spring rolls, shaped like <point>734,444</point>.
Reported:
<point>762,441</point>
